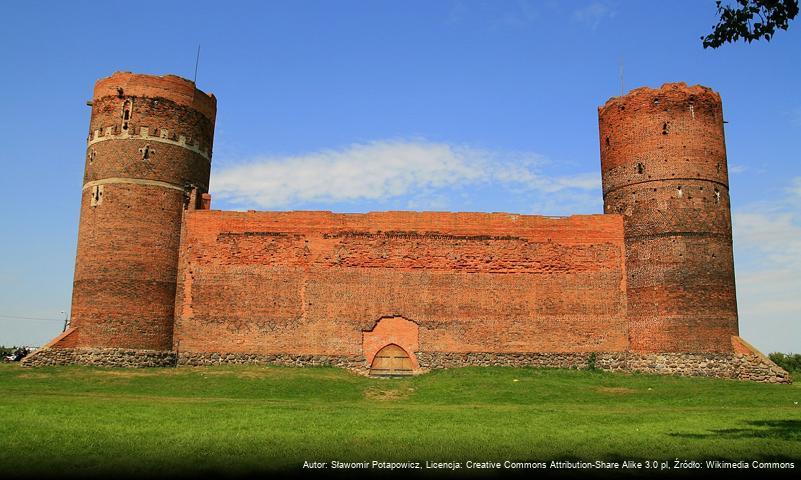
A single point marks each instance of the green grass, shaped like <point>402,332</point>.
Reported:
<point>88,421</point>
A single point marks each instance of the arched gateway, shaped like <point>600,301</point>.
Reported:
<point>391,360</point>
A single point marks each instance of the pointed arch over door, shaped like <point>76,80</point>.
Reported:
<point>391,360</point>
<point>393,331</point>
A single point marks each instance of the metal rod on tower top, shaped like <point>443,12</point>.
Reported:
<point>621,76</point>
<point>197,59</point>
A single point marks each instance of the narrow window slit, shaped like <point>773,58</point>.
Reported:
<point>126,113</point>
<point>97,195</point>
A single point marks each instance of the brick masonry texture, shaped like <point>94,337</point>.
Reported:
<point>663,163</point>
<point>129,232</point>
<point>160,279</point>
<point>392,331</point>
<point>315,282</point>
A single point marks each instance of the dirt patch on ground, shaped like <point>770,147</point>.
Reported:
<point>244,374</point>
<point>89,374</point>
<point>384,395</point>
<point>37,376</point>
<point>615,390</point>
<point>130,373</point>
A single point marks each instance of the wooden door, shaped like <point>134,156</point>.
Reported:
<point>390,361</point>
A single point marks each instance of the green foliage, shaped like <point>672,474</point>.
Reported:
<point>245,420</point>
<point>6,351</point>
<point>591,359</point>
<point>739,21</point>
<point>788,361</point>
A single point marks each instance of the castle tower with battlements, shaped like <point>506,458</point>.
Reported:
<point>163,280</point>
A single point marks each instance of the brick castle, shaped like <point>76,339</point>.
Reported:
<point>162,279</point>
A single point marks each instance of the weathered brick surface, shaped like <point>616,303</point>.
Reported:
<point>663,161</point>
<point>649,284</point>
<point>392,330</point>
<point>177,90</point>
<point>314,282</point>
<point>128,239</point>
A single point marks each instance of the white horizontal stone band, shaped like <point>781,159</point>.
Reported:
<point>134,181</point>
<point>181,142</point>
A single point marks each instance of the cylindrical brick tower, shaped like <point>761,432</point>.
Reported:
<point>663,163</point>
<point>149,144</point>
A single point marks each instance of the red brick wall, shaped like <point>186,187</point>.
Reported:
<point>170,87</point>
<point>128,241</point>
<point>314,282</point>
<point>318,283</point>
<point>663,162</point>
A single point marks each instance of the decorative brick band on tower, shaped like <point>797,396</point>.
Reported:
<point>150,141</point>
<point>663,163</point>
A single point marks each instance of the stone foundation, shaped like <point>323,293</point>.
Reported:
<point>435,360</point>
<point>100,357</point>
<point>721,365</point>
<point>752,367</point>
<point>354,363</point>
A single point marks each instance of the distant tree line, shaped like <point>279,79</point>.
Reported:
<point>788,361</point>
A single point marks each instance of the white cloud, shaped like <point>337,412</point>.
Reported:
<point>736,168</point>
<point>777,236</point>
<point>795,188</point>
<point>383,170</point>
<point>767,241</point>
<point>593,14</point>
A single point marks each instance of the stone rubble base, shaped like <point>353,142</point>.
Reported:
<point>721,365</point>
<point>100,357</point>
<point>355,363</point>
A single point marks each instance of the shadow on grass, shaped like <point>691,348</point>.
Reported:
<point>773,429</point>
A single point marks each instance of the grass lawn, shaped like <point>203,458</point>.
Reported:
<point>238,420</point>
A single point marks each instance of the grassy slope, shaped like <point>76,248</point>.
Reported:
<point>88,420</point>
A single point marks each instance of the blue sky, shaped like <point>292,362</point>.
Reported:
<point>377,105</point>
